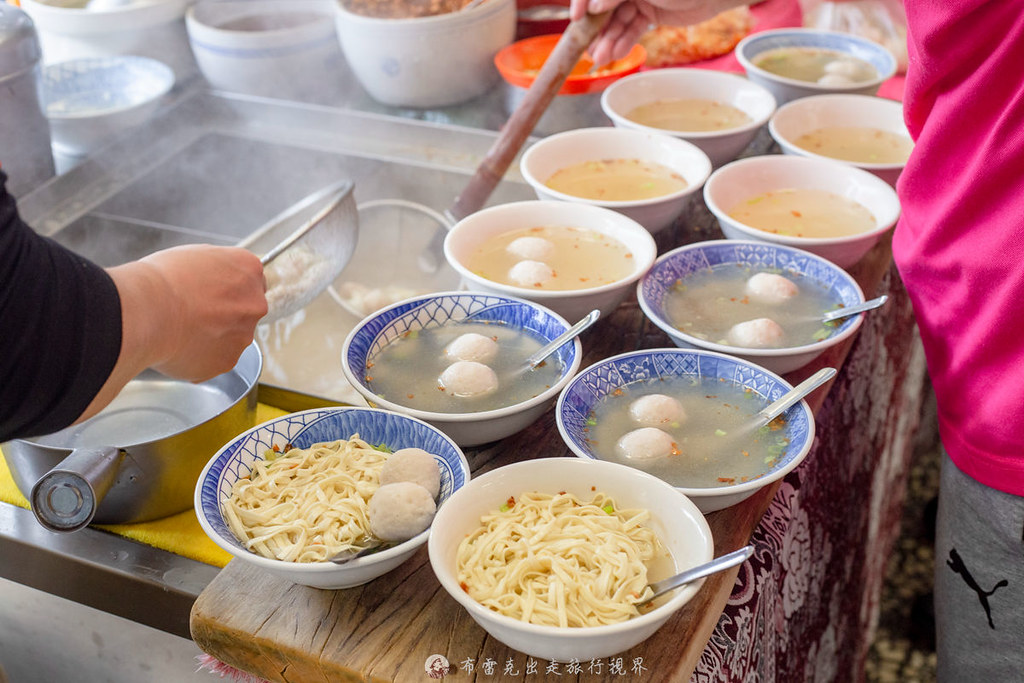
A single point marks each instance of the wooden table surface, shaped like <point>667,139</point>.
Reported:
<point>385,630</point>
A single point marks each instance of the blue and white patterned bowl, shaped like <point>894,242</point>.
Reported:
<point>303,429</point>
<point>89,101</point>
<point>786,89</point>
<point>579,398</point>
<point>376,331</point>
<point>679,263</point>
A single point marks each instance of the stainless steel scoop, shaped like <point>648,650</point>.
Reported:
<point>319,235</point>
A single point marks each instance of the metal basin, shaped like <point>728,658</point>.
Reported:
<point>139,458</point>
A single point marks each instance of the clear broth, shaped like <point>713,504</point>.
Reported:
<point>859,144</point>
<point>804,212</point>
<point>692,115</point>
<point>813,63</point>
<point>617,180</point>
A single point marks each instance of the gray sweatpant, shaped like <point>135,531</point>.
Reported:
<point>979,581</point>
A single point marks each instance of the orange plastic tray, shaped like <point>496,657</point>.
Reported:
<point>520,62</point>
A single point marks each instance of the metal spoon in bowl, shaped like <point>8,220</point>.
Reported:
<point>540,354</point>
<point>854,310</point>
<point>346,556</point>
<point>701,570</point>
<point>792,397</point>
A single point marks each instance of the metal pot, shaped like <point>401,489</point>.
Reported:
<point>140,457</point>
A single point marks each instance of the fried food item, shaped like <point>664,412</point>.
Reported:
<point>402,9</point>
<point>676,45</point>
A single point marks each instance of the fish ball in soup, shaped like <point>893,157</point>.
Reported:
<point>760,333</point>
<point>471,346</point>
<point>645,444</point>
<point>657,409</point>
<point>770,288</point>
<point>529,273</point>
<point>415,465</point>
<point>835,80</point>
<point>532,248</point>
<point>399,511</point>
<point>467,378</point>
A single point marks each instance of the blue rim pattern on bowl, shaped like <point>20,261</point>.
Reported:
<point>433,310</point>
<point>576,402</point>
<point>102,85</point>
<point>677,264</point>
<point>862,48</point>
<point>306,428</point>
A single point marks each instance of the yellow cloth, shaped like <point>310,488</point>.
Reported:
<point>179,534</point>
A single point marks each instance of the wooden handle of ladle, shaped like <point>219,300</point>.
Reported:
<point>570,47</point>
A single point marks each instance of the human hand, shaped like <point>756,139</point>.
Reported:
<point>189,311</point>
<point>632,18</point>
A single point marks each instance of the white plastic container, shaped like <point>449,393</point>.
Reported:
<point>427,61</point>
<point>155,29</point>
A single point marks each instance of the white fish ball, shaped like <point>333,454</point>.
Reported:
<point>471,346</point>
<point>415,465</point>
<point>399,511</point>
<point>529,273</point>
<point>533,248</point>
<point>771,288</point>
<point>760,333</point>
<point>846,68</point>
<point>467,378</point>
<point>835,80</point>
<point>646,443</point>
<point>657,409</point>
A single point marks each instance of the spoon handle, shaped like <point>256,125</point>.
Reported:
<point>700,571</point>
<point>791,398</point>
<point>556,343</point>
<point>854,310</point>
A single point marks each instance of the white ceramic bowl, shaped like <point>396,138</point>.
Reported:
<point>303,429</point>
<point>373,333</point>
<point>741,180</point>
<point>92,100</point>
<point>272,48</point>
<point>471,232</point>
<point>808,114</point>
<point>553,153</point>
<point>427,61</point>
<point>721,146</point>
<point>786,89</point>
<point>577,401</point>
<point>678,264</point>
<point>676,520</point>
<point>154,29</point>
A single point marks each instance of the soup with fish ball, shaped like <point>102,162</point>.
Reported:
<point>710,303</point>
<point>617,180</point>
<point>859,144</point>
<point>416,370</point>
<point>816,65</point>
<point>804,212</point>
<point>709,448</point>
<point>691,115</point>
<point>577,258</point>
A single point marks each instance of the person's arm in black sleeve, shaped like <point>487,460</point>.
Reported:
<point>61,318</point>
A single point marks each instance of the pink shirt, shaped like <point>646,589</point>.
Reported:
<point>959,244</point>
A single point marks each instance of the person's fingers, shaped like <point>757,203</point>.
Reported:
<point>618,32</point>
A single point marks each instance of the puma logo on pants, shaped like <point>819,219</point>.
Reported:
<point>956,563</point>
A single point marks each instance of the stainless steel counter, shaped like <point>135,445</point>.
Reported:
<point>212,167</point>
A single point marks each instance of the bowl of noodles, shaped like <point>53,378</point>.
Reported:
<point>293,492</point>
<point>686,416</point>
<point>552,556</point>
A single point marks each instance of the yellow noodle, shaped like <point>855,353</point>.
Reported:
<point>558,561</point>
<point>308,504</point>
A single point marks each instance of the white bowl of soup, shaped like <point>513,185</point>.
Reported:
<point>671,536</point>
<point>719,112</point>
<point>799,62</point>
<point>861,130</point>
<point>572,258</point>
<point>647,176</point>
<point>684,416</point>
<point>823,206</point>
<point>757,301</point>
<point>456,360</point>
<point>261,497</point>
